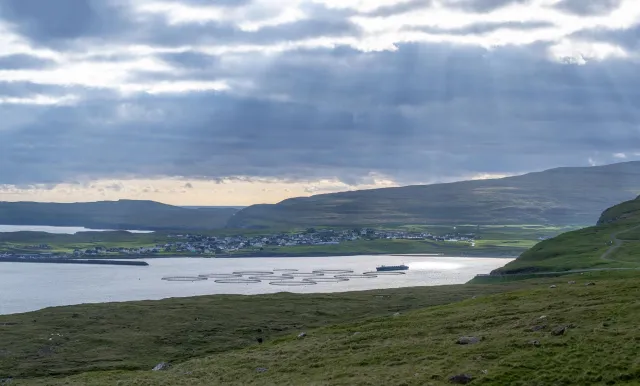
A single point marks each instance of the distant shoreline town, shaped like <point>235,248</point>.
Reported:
<point>180,245</point>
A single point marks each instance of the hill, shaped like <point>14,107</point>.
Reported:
<point>122,214</point>
<point>613,243</point>
<point>562,196</point>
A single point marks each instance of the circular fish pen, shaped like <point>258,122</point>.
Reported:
<point>266,277</point>
<point>333,271</point>
<point>236,281</point>
<point>357,276</point>
<point>325,279</point>
<point>184,278</point>
<point>305,274</point>
<point>390,273</point>
<point>293,283</point>
<point>220,275</point>
<point>253,273</point>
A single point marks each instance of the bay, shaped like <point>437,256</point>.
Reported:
<point>30,286</point>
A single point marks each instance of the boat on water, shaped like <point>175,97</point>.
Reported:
<point>392,268</point>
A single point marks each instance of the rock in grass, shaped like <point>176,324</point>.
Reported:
<point>302,335</point>
<point>560,330</point>
<point>552,286</point>
<point>538,328</point>
<point>461,379</point>
<point>6,381</point>
<point>590,284</point>
<point>534,343</point>
<point>571,282</point>
<point>162,366</point>
<point>262,369</point>
<point>467,340</point>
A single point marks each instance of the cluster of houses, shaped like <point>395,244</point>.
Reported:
<point>198,244</point>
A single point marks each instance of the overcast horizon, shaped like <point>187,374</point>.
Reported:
<point>235,102</point>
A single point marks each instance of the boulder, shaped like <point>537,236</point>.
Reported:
<point>590,284</point>
<point>302,335</point>
<point>6,381</point>
<point>162,366</point>
<point>262,369</point>
<point>467,340</point>
<point>461,379</point>
<point>552,286</point>
<point>571,282</point>
<point>560,330</point>
<point>534,343</point>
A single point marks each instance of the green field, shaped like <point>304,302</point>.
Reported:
<point>390,337</point>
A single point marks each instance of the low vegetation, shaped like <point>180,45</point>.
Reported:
<point>546,332</point>
<point>138,335</point>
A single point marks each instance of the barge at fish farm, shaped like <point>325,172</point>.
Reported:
<point>392,268</point>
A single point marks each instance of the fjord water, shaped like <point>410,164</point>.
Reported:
<point>30,286</point>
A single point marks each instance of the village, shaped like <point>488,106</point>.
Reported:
<point>211,246</point>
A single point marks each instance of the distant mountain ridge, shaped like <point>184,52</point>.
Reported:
<point>122,214</point>
<point>562,196</point>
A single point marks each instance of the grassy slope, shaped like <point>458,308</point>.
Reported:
<point>584,248</point>
<point>417,347</point>
<point>138,335</point>
<point>123,214</point>
<point>559,196</point>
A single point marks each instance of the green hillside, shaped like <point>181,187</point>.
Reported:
<point>563,196</point>
<point>122,214</point>
<point>529,333</point>
<point>613,243</point>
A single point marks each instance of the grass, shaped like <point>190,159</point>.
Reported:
<point>581,249</point>
<point>418,347</point>
<point>138,335</point>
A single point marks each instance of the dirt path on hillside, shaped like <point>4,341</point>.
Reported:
<point>616,243</point>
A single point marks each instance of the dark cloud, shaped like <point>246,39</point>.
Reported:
<point>466,5</point>
<point>21,61</point>
<point>482,28</point>
<point>588,7</point>
<point>483,5</point>
<point>627,38</point>
<point>60,20</point>
<point>421,112</point>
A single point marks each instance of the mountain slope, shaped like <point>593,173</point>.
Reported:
<point>122,214</point>
<point>613,243</point>
<point>556,196</point>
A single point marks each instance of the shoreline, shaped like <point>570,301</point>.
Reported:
<point>135,259</point>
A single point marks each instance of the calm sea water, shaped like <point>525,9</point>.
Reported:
<point>54,229</point>
<point>27,287</point>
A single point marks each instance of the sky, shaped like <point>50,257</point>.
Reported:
<point>235,102</point>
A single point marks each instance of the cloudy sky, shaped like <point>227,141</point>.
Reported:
<point>233,102</point>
